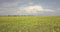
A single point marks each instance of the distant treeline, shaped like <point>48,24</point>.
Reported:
<point>17,15</point>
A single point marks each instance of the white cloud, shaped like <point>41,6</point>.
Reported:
<point>34,9</point>
<point>58,9</point>
<point>29,8</point>
<point>48,10</point>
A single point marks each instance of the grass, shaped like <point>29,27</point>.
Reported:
<point>29,23</point>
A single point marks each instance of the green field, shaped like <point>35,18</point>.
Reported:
<point>29,23</point>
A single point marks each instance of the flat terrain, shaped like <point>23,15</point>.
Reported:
<point>29,23</point>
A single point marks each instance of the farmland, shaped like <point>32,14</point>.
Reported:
<point>29,23</point>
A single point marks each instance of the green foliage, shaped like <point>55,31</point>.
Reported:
<point>29,23</point>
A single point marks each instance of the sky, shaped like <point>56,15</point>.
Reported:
<point>30,7</point>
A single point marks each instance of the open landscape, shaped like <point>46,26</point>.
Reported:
<point>29,23</point>
<point>29,15</point>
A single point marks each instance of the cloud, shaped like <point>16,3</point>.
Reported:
<point>8,7</point>
<point>58,9</point>
<point>48,10</point>
<point>25,7</point>
<point>34,9</point>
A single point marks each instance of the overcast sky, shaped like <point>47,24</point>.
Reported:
<point>30,7</point>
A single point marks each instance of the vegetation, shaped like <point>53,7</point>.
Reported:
<point>29,23</point>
